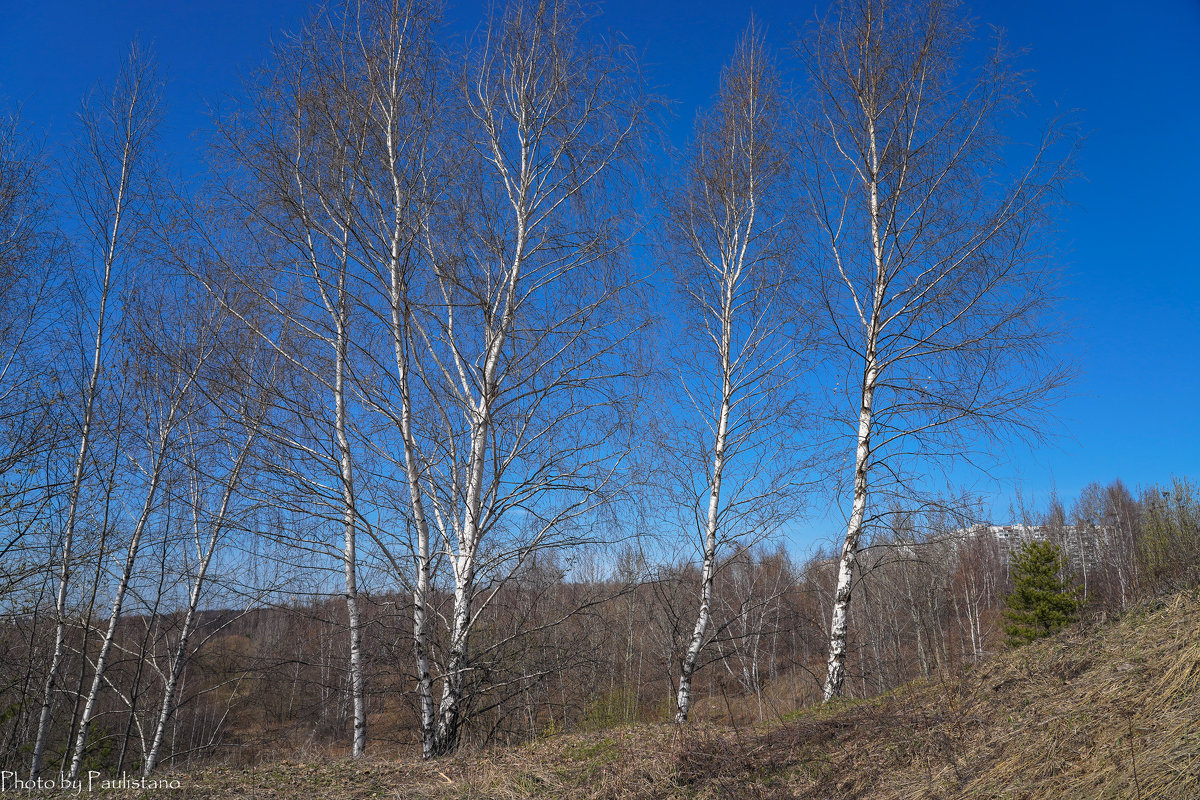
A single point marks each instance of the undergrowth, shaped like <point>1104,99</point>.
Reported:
<point>1107,712</point>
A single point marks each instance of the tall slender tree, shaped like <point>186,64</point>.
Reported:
<point>933,270</point>
<point>728,236</point>
<point>109,178</point>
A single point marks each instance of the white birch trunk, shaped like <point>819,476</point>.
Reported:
<point>420,520</point>
<point>398,296</point>
<point>836,667</point>
<point>349,513</point>
<point>683,700</point>
<point>445,737</point>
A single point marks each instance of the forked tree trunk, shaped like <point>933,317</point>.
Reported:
<point>450,709</point>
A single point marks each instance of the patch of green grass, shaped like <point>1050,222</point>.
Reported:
<point>602,750</point>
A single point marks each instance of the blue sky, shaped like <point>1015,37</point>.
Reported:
<point>1129,238</point>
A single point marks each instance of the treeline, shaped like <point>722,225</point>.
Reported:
<point>445,406</point>
<point>271,681</point>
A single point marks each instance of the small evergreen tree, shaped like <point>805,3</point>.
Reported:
<point>1041,601</point>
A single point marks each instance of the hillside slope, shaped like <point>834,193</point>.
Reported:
<point>1112,712</point>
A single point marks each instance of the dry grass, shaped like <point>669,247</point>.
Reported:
<point>1113,712</point>
<point>1110,713</point>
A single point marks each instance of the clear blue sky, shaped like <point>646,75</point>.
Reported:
<point>1130,238</point>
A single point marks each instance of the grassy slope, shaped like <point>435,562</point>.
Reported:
<point>1113,712</point>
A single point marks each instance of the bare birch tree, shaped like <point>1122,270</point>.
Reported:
<point>301,156</point>
<point>399,77</point>
<point>934,270</point>
<point>728,234</point>
<point>109,170</point>
<point>522,315</point>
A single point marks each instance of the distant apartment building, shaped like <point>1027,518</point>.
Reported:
<point>1082,544</point>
